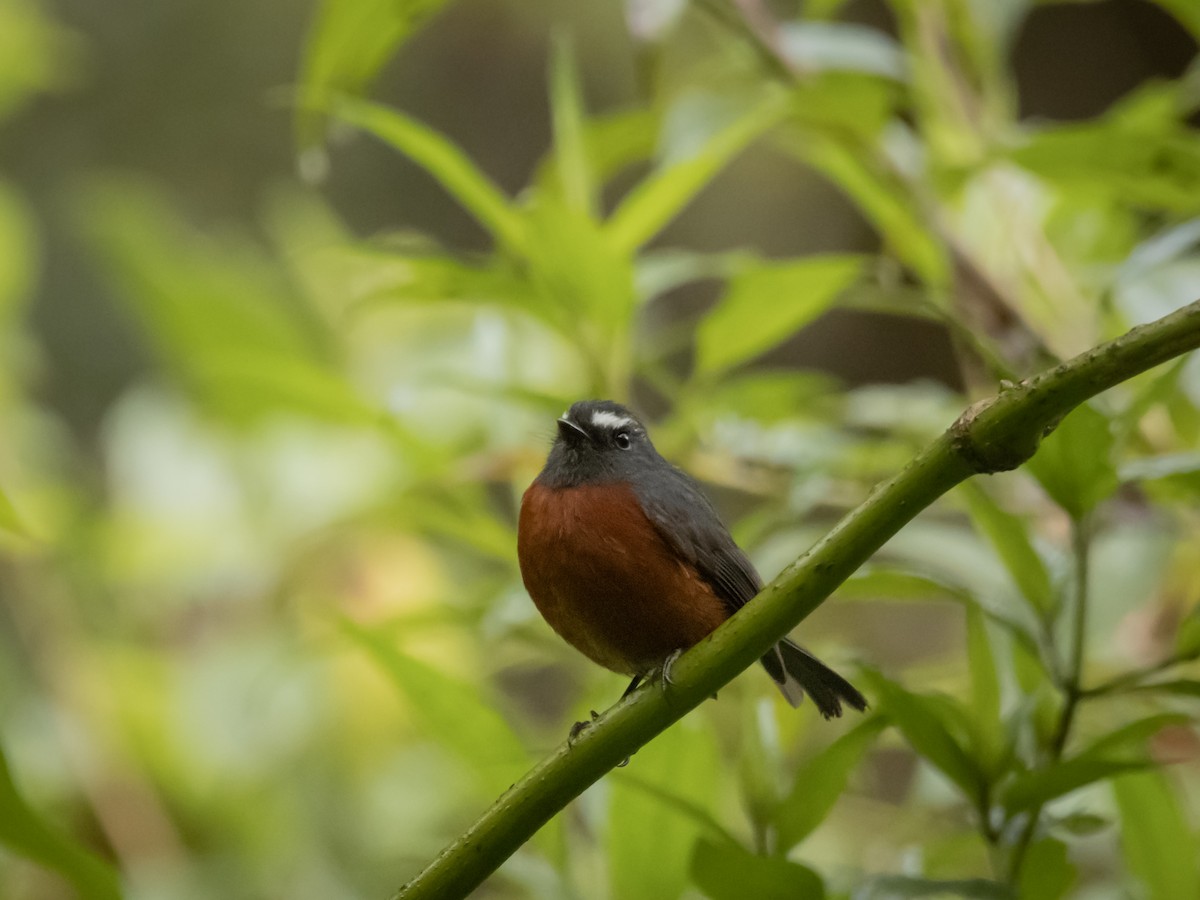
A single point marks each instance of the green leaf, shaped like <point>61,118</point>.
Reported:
<point>373,275</point>
<point>1183,687</point>
<point>1133,735</point>
<point>611,142</point>
<point>843,106</point>
<point>820,781</point>
<point>580,276</point>
<point>1140,153</point>
<point>1074,464</point>
<point>649,842</point>
<point>922,720</point>
<point>218,314</point>
<point>1040,786</point>
<point>27,835</point>
<point>1158,841</point>
<point>350,41</point>
<point>1009,536</point>
<point>728,872</point>
<point>661,271</point>
<point>760,763</point>
<point>769,302</point>
<point>570,152</point>
<point>658,198</point>
<point>985,693</point>
<point>886,202</point>
<point>985,683</point>
<point>1046,873</point>
<point>453,712</point>
<point>875,582</point>
<point>1115,753</point>
<point>880,583</point>
<point>443,161</point>
<point>680,804</point>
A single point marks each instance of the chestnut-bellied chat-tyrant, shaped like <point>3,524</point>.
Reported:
<point>628,561</point>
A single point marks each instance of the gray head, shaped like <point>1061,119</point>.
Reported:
<point>598,441</point>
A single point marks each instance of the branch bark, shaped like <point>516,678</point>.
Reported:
<point>992,435</point>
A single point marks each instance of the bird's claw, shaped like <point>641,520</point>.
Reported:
<point>665,671</point>
<point>579,727</point>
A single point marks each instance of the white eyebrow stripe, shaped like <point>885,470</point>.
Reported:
<point>602,418</point>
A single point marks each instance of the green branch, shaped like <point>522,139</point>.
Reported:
<point>991,436</point>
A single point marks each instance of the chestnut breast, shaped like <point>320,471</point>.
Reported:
<point>605,579</point>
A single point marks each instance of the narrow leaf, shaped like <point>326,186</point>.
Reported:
<point>769,302</point>
<point>682,805</point>
<point>1009,536</point>
<point>611,142</point>
<point>349,43</point>
<point>649,842</point>
<point>1158,841</point>
<point>580,276</point>
<point>441,159</point>
<point>886,203</point>
<point>26,834</point>
<point>1115,753</point>
<point>220,314</point>
<point>760,763</point>
<point>1046,874</point>
<point>874,582</point>
<point>463,722</point>
<point>1074,464</point>
<point>1134,735</point>
<point>1043,785</point>
<point>985,683</point>
<point>985,692</point>
<point>820,781</point>
<point>570,152</point>
<point>663,194</point>
<point>728,872</point>
<point>1183,687</point>
<point>919,718</point>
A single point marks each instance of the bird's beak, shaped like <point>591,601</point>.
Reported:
<point>569,431</point>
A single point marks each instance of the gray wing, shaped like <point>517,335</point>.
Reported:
<point>684,516</point>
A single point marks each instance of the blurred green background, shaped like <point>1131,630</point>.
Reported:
<point>277,361</point>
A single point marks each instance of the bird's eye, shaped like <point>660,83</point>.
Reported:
<point>621,438</point>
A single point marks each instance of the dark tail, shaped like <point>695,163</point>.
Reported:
<point>797,672</point>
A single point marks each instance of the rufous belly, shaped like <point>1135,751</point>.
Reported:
<point>605,579</point>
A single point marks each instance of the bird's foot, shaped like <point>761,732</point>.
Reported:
<point>665,670</point>
<point>579,727</point>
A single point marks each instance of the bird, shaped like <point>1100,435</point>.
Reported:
<point>627,560</point>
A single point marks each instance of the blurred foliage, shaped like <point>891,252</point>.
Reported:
<point>271,638</point>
